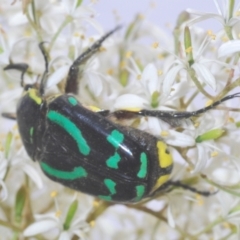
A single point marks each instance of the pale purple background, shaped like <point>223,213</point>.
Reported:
<point>163,14</point>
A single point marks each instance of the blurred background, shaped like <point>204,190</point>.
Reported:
<point>162,13</point>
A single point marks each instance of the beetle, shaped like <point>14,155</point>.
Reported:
<point>88,152</point>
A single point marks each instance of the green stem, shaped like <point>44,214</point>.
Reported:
<point>228,30</point>
<point>230,87</point>
<point>230,9</point>
<point>34,26</point>
<point>210,226</point>
<point>67,20</point>
<point>198,84</point>
<point>9,225</point>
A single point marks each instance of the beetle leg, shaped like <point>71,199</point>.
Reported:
<point>187,187</point>
<point>12,116</point>
<point>168,115</point>
<point>72,79</point>
<point>166,188</point>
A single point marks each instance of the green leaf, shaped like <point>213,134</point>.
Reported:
<point>19,204</point>
<point>70,215</point>
<point>188,45</point>
<point>8,144</point>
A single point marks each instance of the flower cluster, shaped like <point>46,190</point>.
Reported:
<point>184,72</point>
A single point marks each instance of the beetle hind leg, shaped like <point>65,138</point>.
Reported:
<point>169,115</point>
<point>72,79</point>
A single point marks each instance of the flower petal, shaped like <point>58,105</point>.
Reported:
<point>127,101</point>
<point>205,75</point>
<point>170,78</point>
<point>180,139</point>
<point>33,174</point>
<point>57,76</point>
<point>229,48</point>
<point>150,78</point>
<point>39,227</point>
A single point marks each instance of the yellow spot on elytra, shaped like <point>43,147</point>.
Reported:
<point>164,157</point>
<point>110,71</point>
<point>214,154</point>
<point>161,180</point>
<point>128,54</point>
<point>164,133</point>
<point>33,94</point>
<point>139,76</point>
<point>155,45</point>
<point>122,64</point>
<point>91,39</point>
<point>189,49</point>
<point>53,194</point>
<point>92,223</point>
<point>160,72</point>
<point>58,213</point>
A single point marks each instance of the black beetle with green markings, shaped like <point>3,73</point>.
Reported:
<point>85,150</point>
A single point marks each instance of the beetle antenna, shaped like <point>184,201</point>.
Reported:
<point>45,74</point>
<point>22,67</point>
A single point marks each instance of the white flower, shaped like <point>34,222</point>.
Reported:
<point>226,16</point>
<point>51,223</point>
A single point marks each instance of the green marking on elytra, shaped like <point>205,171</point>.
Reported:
<point>110,184</point>
<point>78,172</point>
<point>140,189</point>
<point>73,101</point>
<point>106,198</point>
<point>72,129</point>
<point>31,134</point>
<point>115,138</point>
<point>113,161</point>
<point>143,167</point>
